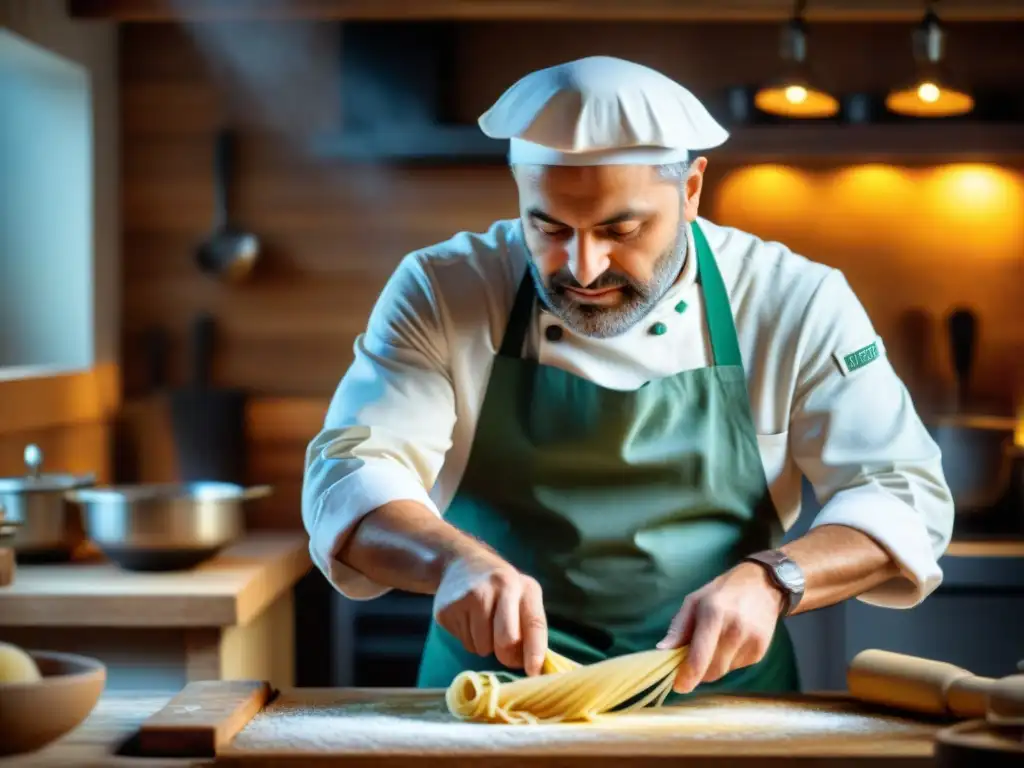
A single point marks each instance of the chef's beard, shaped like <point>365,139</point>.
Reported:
<point>638,298</point>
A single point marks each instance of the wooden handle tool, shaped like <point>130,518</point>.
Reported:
<point>996,741</point>
<point>1006,701</point>
<point>203,718</point>
<point>7,566</point>
<point>933,687</point>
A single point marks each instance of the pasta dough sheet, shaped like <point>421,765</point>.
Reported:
<point>566,691</point>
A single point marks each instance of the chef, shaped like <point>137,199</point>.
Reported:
<point>585,428</point>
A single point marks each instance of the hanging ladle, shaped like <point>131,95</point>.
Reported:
<point>228,252</point>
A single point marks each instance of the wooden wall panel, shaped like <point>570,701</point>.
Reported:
<point>608,10</point>
<point>278,431</point>
<point>333,233</point>
<point>80,449</point>
<point>915,243</point>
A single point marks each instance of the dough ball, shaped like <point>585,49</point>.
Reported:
<point>16,666</point>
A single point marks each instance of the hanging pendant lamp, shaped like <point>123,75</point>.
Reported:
<point>795,94</point>
<point>931,93</point>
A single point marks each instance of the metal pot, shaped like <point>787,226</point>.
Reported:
<point>167,526</point>
<point>976,459</point>
<point>48,529</point>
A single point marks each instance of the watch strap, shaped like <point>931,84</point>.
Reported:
<point>792,589</point>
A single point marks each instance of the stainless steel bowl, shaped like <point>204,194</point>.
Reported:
<point>976,458</point>
<point>48,528</point>
<point>166,526</point>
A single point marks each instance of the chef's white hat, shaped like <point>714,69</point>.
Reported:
<point>599,111</point>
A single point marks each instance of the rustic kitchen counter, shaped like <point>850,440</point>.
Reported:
<point>396,728</point>
<point>983,565</point>
<point>985,548</point>
<point>230,617</point>
<point>107,731</point>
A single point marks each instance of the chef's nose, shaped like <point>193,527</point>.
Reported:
<point>588,259</point>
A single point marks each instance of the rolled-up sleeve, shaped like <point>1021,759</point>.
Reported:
<point>857,437</point>
<point>388,426</point>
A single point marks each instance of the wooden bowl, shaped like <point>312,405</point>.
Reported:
<point>34,714</point>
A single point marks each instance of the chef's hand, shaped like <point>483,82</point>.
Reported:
<point>728,624</point>
<point>491,607</point>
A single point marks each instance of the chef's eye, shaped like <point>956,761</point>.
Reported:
<point>624,229</point>
<point>551,230</point>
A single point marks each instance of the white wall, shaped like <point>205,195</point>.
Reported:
<point>47,216</point>
<point>46,281</point>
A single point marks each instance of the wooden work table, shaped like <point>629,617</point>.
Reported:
<point>416,739</point>
<point>229,617</point>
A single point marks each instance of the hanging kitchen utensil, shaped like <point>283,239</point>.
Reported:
<point>974,445</point>
<point>229,252</point>
<point>157,345</point>
<point>913,344</point>
<point>144,445</point>
<point>47,530</point>
<point>962,325</point>
<point>208,423</point>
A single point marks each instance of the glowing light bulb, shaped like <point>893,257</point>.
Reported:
<point>796,94</point>
<point>928,92</point>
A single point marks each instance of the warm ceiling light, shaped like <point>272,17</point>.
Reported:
<point>931,94</point>
<point>795,94</point>
<point>790,99</point>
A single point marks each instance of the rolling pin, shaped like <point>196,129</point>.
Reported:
<point>934,687</point>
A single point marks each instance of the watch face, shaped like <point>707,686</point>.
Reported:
<point>790,573</point>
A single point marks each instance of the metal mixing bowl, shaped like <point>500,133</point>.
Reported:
<point>166,526</point>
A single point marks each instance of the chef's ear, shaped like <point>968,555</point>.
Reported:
<point>693,186</point>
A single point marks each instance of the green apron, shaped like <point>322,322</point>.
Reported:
<point>619,504</point>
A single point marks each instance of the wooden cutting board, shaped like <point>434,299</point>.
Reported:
<point>978,743</point>
<point>388,728</point>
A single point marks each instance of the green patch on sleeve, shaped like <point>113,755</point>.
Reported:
<point>858,358</point>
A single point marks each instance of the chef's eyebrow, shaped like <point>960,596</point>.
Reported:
<point>626,215</point>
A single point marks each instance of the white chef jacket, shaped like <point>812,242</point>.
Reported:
<point>403,418</point>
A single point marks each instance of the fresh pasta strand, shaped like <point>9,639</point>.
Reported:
<point>565,691</point>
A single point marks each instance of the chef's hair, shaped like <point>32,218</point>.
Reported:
<point>677,171</point>
<point>674,171</point>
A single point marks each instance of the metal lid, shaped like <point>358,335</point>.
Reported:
<point>8,528</point>
<point>36,481</point>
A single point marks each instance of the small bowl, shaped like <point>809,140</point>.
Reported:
<point>34,714</point>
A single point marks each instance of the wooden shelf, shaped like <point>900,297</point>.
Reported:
<point>547,10</point>
<point>932,142</point>
<point>896,141</point>
<point>399,97</point>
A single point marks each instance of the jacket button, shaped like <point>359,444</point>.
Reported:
<point>658,329</point>
<point>553,332</point>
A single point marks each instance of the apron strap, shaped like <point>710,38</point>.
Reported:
<point>519,318</point>
<point>725,347</point>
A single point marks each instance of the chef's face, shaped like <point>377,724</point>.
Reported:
<point>606,241</point>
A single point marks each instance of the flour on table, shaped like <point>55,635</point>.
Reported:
<point>413,723</point>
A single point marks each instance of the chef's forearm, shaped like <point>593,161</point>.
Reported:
<point>838,563</point>
<point>405,546</point>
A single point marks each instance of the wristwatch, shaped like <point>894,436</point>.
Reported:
<point>785,574</point>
